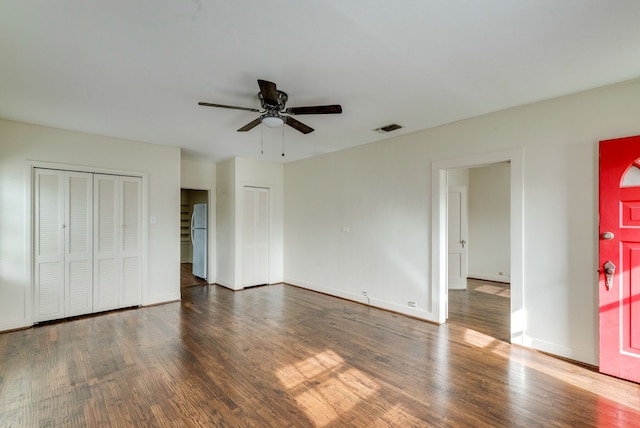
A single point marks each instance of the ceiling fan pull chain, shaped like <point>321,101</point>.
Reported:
<point>261,139</point>
<point>283,141</point>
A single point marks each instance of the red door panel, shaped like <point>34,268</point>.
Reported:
<point>619,301</point>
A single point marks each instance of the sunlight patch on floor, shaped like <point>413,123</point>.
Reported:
<point>573,375</point>
<point>478,339</point>
<point>578,377</point>
<point>325,387</point>
<point>494,289</point>
<point>566,372</point>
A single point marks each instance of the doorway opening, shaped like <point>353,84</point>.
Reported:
<point>194,237</point>
<point>479,248</point>
<point>439,296</point>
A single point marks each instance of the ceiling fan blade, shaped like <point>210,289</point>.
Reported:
<point>231,107</point>
<point>269,92</point>
<point>330,109</point>
<point>250,125</point>
<point>296,124</point>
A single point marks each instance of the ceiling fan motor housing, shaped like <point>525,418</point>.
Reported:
<point>282,100</point>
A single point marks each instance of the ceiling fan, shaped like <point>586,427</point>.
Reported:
<point>273,111</point>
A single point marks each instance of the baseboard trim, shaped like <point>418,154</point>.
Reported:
<point>493,278</point>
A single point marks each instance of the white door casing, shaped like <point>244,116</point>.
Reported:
<point>437,301</point>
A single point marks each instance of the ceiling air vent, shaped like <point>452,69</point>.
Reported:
<point>387,128</point>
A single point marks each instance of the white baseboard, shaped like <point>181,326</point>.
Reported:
<point>494,278</point>
<point>416,312</point>
<point>562,351</point>
<point>15,324</point>
<point>161,298</point>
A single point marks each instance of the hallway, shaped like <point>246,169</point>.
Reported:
<point>483,306</point>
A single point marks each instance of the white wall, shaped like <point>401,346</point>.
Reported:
<point>382,192</point>
<point>458,177</point>
<point>226,223</point>
<point>23,144</point>
<point>489,223</point>
<point>202,175</point>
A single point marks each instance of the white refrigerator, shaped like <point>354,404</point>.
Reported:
<point>199,240</point>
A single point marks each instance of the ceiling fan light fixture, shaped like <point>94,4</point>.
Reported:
<point>273,121</point>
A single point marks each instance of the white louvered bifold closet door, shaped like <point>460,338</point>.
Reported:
<point>255,233</point>
<point>49,245</point>
<point>63,244</point>
<point>78,244</point>
<point>117,243</point>
<point>130,244</point>
<point>106,238</point>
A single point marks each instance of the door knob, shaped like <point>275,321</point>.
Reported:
<point>609,270</point>
<point>608,236</point>
<point>463,242</point>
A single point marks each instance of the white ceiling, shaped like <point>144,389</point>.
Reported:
<point>136,69</point>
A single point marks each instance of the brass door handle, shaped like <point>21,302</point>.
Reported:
<point>609,271</point>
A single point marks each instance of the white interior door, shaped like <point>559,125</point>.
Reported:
<point>457,229</point>
<point>255,236</point>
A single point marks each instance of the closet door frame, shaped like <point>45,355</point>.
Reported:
<point>29,207</point>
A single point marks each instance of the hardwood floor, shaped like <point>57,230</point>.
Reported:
<point>187,279</point>
<point>484,306</point>
<point>278,356</point>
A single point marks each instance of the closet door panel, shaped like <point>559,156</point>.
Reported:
<point>249,231</point>
<point>49,245</point>
<point>106,238</point>
<point>78,244</point>
<point>49,291</point>
<point>255,232</point>
<point>130,211</point>
<point>262,236</point>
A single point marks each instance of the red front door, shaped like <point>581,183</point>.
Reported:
<point>619,284</point>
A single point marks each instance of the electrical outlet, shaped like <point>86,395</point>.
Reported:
<point>412,304</point>
<point>501,273</point>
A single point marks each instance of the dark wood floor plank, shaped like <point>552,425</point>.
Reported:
<point>283,356</point>
<point>187,278</point>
